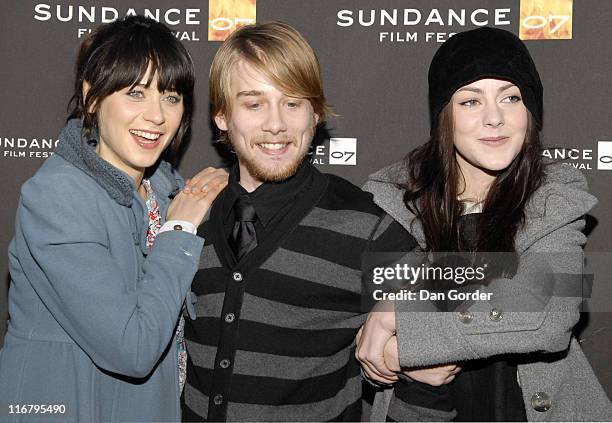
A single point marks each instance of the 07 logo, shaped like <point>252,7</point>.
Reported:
<point>343,151</point>
<point>604,155</point>
<point>546,20</point>
<point>343,156</point>
<point>553,22</point>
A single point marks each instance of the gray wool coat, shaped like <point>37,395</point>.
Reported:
<point>556,379</point>
<point>92,311</point>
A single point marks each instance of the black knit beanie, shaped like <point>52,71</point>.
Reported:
<point>483,53</point>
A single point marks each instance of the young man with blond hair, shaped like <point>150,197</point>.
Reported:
<point>278,299</point>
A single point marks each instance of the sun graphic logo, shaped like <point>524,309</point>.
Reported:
<point>225,16</point>
<point>546,20</point>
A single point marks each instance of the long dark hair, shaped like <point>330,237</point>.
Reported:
<point>117,55</point>
<point>433,182</point>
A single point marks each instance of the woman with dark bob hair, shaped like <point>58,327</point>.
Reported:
<point>105,247</point>
<point>479,188</point>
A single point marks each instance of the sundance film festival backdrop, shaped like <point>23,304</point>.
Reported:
<point>374,56</point>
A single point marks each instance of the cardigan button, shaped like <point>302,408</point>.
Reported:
<point>466,317</point>
<point>218,399</point>
<point>237,276</point>
<point>224,364</point>
<point>540,401</point>
<point>229,317</point>
<point>495,315</point>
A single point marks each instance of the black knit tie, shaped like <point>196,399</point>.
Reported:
<point>243,239</point>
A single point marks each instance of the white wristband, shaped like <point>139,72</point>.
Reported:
<point>178,225</point>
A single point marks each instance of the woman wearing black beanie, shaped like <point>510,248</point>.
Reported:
<point>479,186</point>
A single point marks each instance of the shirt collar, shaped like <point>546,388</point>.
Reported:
<point>270,197</point>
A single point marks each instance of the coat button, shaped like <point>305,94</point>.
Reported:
<point>218,399</point>
<point>465,317</point>
<point>237,276</point>
<point>540,401</point>
<point>495,315</point>
<point>229,317</point>
<point>224,364</point>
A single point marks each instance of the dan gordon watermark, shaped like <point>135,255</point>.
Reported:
<point>454,281</point>
<point>405,273</point>
<point>426,295</point>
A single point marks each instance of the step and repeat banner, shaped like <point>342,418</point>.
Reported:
<point>374,57</point>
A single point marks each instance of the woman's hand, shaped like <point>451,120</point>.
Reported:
<point>193,204</point>
<point>371,340</point>
<point>434,375</point>
<point>204,180</point>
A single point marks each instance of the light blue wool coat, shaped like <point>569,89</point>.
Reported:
<point>92,313</point>
<point>553,364</point>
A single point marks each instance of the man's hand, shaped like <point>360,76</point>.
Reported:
<point>432,375</point>
<point>379,356</point>
<point>205,181</point>
<point>371,339</point>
